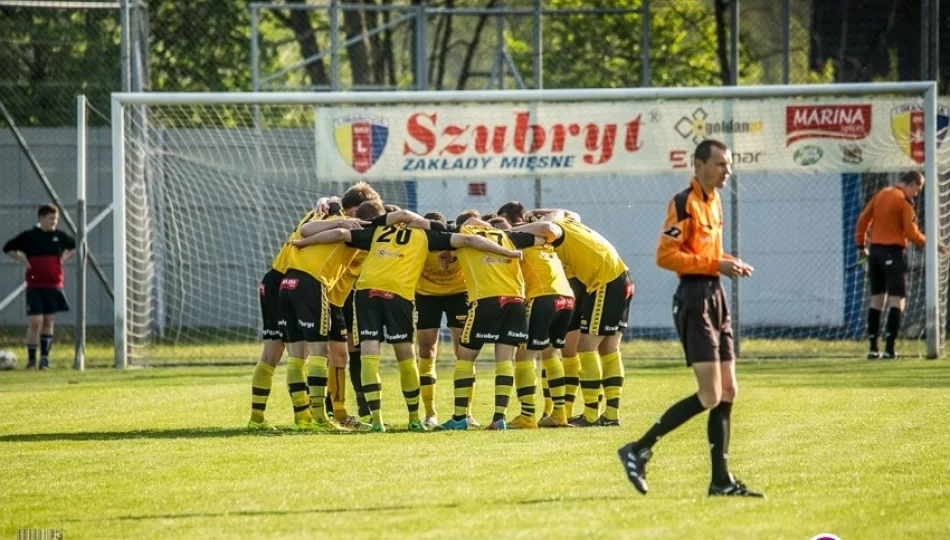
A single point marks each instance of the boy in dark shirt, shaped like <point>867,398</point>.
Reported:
<point>43,250</point>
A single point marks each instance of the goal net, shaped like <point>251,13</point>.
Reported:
<point>209,186</point>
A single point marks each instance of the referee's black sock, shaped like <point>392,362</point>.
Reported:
<point>892,328</point>
<point>673,418</point>
<point>31,354</point>
<point>46,344</point>
<point>718,430</point>
<point>874,327</point>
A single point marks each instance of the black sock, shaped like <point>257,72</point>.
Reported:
<point>356,381</point>
<point>31,352</point>
<point>892,328</point>
<point>46,343</point>
<point>874,327</point>
<point>718,431</point>
<point>673,418</point>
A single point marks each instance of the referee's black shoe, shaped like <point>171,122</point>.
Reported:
<point>635,465</point>
<point>735,489</point>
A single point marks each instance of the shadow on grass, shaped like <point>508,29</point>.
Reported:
<point>351,510</point>
<point>178,433</point>
<point>852,374</point>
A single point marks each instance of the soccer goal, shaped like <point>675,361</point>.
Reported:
<point>208,186</point>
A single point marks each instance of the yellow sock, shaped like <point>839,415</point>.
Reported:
<point>572,369</point>
<point>546,392</point>
<point>260,390</point>
<point>613,384</point>
<point>297,385</point>
<point>526,381</point>
<point>504,380</point>
<point>463,381</point>
<point>590,377</point>
<point>556,382</point>
<point>372,386</point>
<point>409,381</point>
<point>427,384</point>
<point>336,392</point>
<point>317,375</point>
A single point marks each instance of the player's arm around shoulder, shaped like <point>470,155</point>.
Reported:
<point>327,237</point>
<point>546,231</point>
<point>322,225</point>
<point>459,240</point>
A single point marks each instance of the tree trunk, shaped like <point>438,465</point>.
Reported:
<point>357,52</point>
<point>376,46</point>
<point>299,22</point>
<point>444,47</point>
<point>465,71</point>
<point>722,50</point>
<point>389,59</point>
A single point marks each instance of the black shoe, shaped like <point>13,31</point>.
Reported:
<point>635,465</point>
<point>873,355</point>
<point>581,421</point>
<point>603,421</point>
<point>890,355</point>
<point>31,364</point>
<point>735,489</point>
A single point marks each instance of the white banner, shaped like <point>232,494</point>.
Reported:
<point>618,138</point>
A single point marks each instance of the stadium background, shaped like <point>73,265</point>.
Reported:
<point>56,50</point>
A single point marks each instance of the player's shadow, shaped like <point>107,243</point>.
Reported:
<point>853,374</point>
<point>257,513</point>
<point>179,433</point>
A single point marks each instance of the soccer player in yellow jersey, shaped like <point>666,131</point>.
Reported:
<point>268,292</point>
<point>604,308</point>
<point>305,320</point>
<point>384,293</point>
<point>441,289</point>
<point>343,347</point>
<point>550,309</point>
<point>496,314</point>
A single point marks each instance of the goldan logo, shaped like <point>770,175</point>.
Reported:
<point>698,126</point>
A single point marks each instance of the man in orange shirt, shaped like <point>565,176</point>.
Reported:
<point>891,217</point>
<point>691,245</point>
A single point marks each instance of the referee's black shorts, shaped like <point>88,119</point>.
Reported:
<point>703,323</point>
<point>887,270</point>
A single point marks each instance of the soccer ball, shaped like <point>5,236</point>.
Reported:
<point>7,360</point>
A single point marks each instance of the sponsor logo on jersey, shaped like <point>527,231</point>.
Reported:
<point>289,283</point>
<point>505,300</point>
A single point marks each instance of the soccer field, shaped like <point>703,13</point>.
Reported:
<point>854,448</point>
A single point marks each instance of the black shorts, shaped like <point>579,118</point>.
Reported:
<point>701,316</point>
<point>338,327</point>
<point>580,292</point>
<point>887,270</point>
<point>605,310</point>
<point>45,301</point>
<point>349,315</point>
<point>499,319</point>
<point>548,320</point>
<point>384,316</point>
<point>429,310</point>
<point>304,308</point>
<point>269,293</point>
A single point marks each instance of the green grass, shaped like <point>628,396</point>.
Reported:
<point>855,448</point>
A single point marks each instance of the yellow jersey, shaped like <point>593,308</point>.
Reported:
<point>593,259</point>
<point>325,262</point>
<point>283,256</point>
<point>396,256</point>
<point>488,275</point>
<point>438,281</point>
<point>543,273</point>
<point>339,292</point>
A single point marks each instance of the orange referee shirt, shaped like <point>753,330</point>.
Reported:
<point>691,241</point>
<point>892,219</point>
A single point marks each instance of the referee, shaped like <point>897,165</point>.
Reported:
<point>891,217</point>
<point>691,245</point>
<point>43,250</point>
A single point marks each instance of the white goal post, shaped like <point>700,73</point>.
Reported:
<point>149,127</point>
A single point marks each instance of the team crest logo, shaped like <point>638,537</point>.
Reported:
<point>907,127</point>
<point>360,139</point>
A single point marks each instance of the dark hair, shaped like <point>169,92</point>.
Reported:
<point>465,216</point>
<point>704,150</point>
<point>357,195</point>
<point>435,216</point>
<point>912,178</point>
<point>500,223</point>
<point>370,209</point>
<point>513,211</point>
<point>391,208</point>
<point>46,210</point>
<point>489,216</point>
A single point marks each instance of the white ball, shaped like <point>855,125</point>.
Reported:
<point>7,360</point>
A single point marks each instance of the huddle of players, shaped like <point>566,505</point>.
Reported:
<point>352,275</point>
